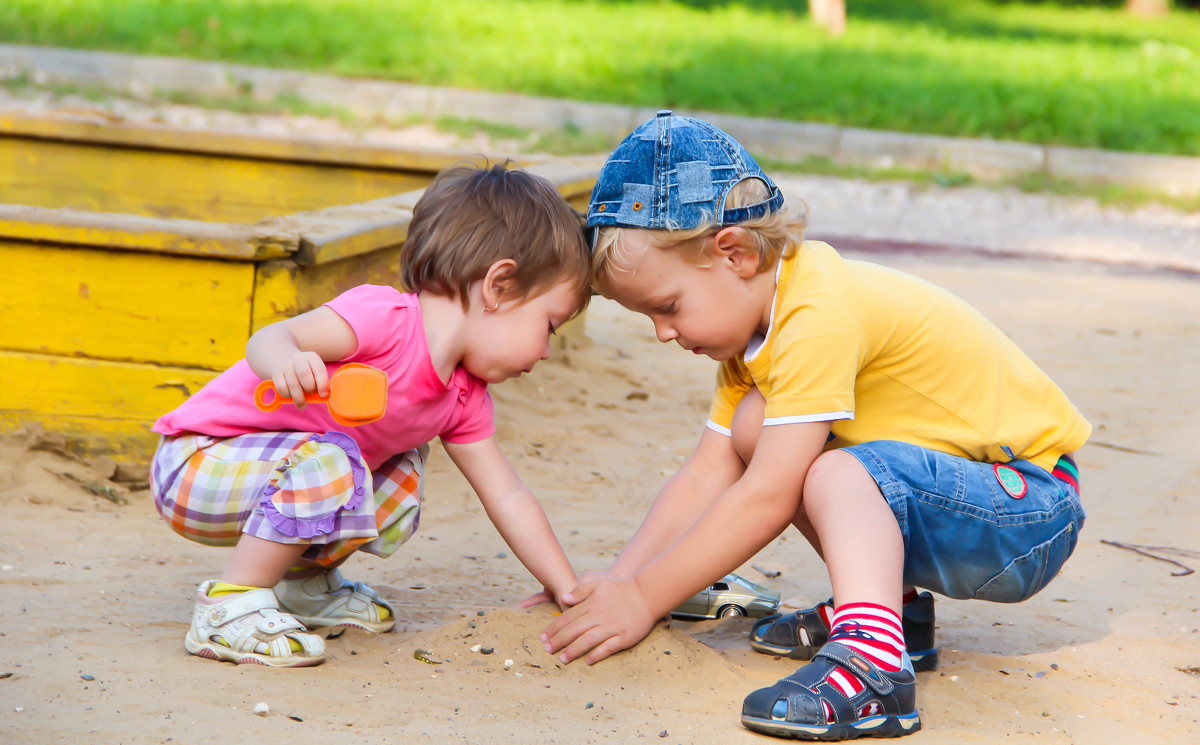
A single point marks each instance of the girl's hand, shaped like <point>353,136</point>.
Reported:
<point>304,372</point>
<point>537,598</point>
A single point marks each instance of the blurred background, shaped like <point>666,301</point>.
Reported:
<point>1115,75</point>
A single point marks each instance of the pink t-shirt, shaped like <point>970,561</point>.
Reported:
<point>391,337</point>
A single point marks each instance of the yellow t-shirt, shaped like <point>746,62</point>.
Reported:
<point>886,356</point>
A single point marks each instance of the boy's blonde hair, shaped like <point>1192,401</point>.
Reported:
<point>471,217</point>
<point>775,235</point>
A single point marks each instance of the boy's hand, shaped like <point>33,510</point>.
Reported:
<point>303,372</point>
<point>608,616</point>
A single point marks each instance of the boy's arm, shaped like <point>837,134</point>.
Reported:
<point>713,467</point>
<point>614,615</point>
<point>515,512</point>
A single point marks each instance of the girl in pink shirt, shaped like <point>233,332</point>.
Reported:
<point>495,261</point>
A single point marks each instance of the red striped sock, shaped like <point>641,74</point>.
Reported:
<point>873,631</point>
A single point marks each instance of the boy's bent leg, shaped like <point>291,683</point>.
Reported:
<point>746,427</point>
<point>860,683</point>
<point>862,543</point>
<point>996,532</point>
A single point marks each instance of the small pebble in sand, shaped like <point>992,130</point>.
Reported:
<point>508,664</point>
<point>477,647</point>
<point>486,650</point>
<point>262,709</point>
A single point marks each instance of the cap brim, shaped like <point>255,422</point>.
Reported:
<point>591,234</point>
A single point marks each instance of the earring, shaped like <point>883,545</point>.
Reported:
<point>493,308</point>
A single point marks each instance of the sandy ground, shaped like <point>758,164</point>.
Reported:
<point>95,596</point>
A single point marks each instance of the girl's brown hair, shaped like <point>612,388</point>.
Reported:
<point>471,217</point>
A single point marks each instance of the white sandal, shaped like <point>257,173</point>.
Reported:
<point>328,600</point>
<point>248,627</point>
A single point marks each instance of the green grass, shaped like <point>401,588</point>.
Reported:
<point>1033,72</point>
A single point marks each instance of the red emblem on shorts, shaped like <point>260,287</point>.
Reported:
<point>1011,480</point>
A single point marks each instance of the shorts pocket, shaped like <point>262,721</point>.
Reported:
<point>1026,575</point>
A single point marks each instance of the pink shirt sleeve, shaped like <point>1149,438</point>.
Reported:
<point>377,331</point>
<point>477,421</point>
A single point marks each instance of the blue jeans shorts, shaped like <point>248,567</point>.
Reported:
<point>967,533</point>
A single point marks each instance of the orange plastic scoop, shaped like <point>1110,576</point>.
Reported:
<point>357,395</point>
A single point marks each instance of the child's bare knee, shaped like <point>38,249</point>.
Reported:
<point>827,476</point>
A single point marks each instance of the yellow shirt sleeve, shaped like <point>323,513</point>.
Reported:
<point>733,380</point>
<point>816,353</point>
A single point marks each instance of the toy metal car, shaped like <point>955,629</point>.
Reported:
<point>734,595</point>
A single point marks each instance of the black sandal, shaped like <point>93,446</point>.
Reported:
<point>793,707</point>
<point>801,634</point>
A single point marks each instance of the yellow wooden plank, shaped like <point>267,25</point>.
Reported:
<point>103,130</point>
<point>283,289</point>
<point>110,406</point>
<point>165,184</point>
<point>132,232</point>
<point>118,305</point>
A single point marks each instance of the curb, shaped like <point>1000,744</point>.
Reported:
<point>142,76</point>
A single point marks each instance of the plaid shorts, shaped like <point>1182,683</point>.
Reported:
<point>288,487</point>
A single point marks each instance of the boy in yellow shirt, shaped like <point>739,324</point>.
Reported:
<point>905,436</point>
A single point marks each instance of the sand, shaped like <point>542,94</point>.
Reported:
<point>96,595</point>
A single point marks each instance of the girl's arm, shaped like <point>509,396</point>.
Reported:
<point>293,353</point>
<point>713,467</point>
<point>515,512</point>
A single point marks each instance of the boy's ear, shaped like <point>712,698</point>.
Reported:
<point>735,247</point>
<point>497,283</point>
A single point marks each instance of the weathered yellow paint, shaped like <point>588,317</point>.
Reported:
<point>139,258</point>
<point>116,134</point>
<point>107,405</point>
<point>284,289</point>
<point>165,184</point>
<point>124,305</point>
<point>135,233</point>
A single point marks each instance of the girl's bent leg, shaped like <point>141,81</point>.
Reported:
<point>260,563</point>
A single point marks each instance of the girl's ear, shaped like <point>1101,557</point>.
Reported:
<point>497,283</point>
<point>735,247</point>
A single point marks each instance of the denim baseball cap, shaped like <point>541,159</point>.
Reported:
<point>674,172</point>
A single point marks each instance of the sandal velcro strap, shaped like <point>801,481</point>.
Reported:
<point>865,670</point>
<point>276,622</point>
<point>795,707</point>
<point>329,600</point>
<point>241,604</point>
